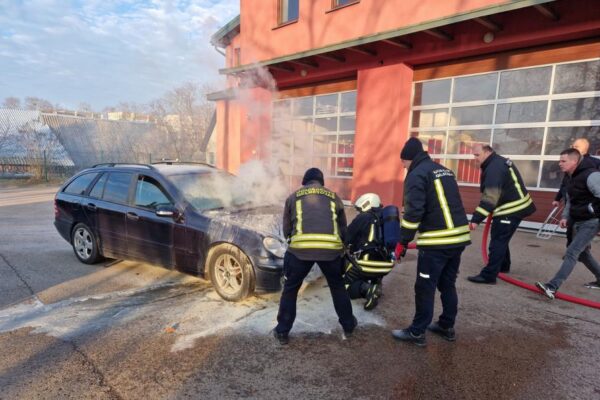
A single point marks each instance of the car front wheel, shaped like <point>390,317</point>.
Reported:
<point>231,272</point>
<point>85,244</point>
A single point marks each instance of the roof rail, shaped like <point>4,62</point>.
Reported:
<point>136,165</point>
<point>171,162</point>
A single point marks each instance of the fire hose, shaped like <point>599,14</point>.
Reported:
<point>516,282</point>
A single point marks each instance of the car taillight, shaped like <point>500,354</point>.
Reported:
<point>56,212</point>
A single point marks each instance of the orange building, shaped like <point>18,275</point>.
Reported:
<point>342,84</point>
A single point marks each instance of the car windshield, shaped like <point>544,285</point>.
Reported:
<point>209,190</point>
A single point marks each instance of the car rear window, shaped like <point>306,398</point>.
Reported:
<point>80,184</point>
<point>116,188</point>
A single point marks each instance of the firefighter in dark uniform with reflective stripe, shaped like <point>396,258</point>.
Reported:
<point>433,207</point>
<point>503,193</point>
<point>371,260</point>
<point>314,223</point>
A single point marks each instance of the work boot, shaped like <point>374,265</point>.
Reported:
<point>282,337</point>
<point>546,289</point>
<point>593,285</point>
<point>349,331</point>
<point>446,333</point>
<point>405,335</point>
<point>481,279</point>
<point>372,297</point>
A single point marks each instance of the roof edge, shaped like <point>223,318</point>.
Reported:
<point>437,23</point>
<point>222,36</point>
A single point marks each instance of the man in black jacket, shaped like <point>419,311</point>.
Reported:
<point>503,194</point>
<point>314,223</point>
<point>583,209</point>
<point>583,146</point>
<point>433,207</point>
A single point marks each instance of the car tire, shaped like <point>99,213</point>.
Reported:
<point>85,244</point>
<point>231,272</point>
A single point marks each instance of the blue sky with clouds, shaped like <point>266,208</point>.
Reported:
<point>103,52</point>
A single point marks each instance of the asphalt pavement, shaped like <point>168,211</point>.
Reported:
<point>124,330</point>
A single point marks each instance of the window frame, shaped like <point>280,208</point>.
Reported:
<point>158,184</point>
<point>281,4</point>
<point>332,156</point>
<point>335,4</point>
<point>546,125</point>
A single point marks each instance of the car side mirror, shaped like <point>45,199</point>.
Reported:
<point>167,211</point>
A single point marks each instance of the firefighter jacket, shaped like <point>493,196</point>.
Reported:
<point>364,238</point>
<point>583,202</point>
<point>314,223</point>
<point>433,207</point>
<point>502,190</point>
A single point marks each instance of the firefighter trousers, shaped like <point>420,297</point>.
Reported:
<point>295,270</point>
<point>503,229</point>
<point>436,268</point>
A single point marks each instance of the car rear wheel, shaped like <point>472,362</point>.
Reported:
<point>231,272</point>
<point>85,244</point>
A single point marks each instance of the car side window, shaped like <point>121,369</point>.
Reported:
<point>80,184</point>
<point>98,187</point>
<point>149,194</point>
<point>116,188</point>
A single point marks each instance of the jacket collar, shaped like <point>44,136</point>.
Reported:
<point>419,158</point>
<point>489,160</point>
<point>584,164</point>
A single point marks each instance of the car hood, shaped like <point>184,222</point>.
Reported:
<point>265,220</point>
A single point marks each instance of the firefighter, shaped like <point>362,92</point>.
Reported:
<point>371,261</point>
<point>433,207</point>
<point>503,193</point>
<point>314,223</point>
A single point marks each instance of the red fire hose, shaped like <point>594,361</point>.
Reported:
<point>504,277</point>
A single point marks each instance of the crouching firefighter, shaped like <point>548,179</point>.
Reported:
<point>370,241</point>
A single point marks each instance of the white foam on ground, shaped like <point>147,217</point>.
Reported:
<point>188,312</point>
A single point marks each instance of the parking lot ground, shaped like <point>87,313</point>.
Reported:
<point>123,330</point>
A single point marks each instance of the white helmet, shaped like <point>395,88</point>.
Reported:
<point>367,201</point>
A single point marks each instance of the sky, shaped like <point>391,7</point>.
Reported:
<point>104,52</point>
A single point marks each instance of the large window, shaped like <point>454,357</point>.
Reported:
<point>529,115</point>
<point>288,10</point>
<point>315,131</point>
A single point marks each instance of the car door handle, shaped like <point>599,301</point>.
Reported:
<point>133,216</point>
<point>91,206</point>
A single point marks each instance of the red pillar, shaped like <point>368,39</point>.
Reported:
<point>382,117</point>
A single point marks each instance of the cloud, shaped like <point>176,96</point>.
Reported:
<point>107,51</point>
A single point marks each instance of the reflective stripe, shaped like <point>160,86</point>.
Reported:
<point>514,209</point>
<point>376,270</point>
<point>299,217</point>
<point>445,232</point>
<point>371,233</point>
<point>375,263</point>
<point>446,240</point>
<point>322,237</point>
<point>439,189</point>
<point>334,218</point>
<point>422,275</point>
<point>482,211</point>
<point>514,176</point>
<point>316,245</point>
<point>409,225</point>
<point>512,204</point>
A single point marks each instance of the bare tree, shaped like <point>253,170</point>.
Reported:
<point>5,129</point>
<point>84,107</point>
<point>185,114</point>
<point>37,104</point>
<point>12,103</point>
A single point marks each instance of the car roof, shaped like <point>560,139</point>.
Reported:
<point>164,168</point>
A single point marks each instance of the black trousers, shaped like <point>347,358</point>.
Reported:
<point>295,270</point>
<point>436,269</point>
<point>503,229</point>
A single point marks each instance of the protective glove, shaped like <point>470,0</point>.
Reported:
<point>400,250</point>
